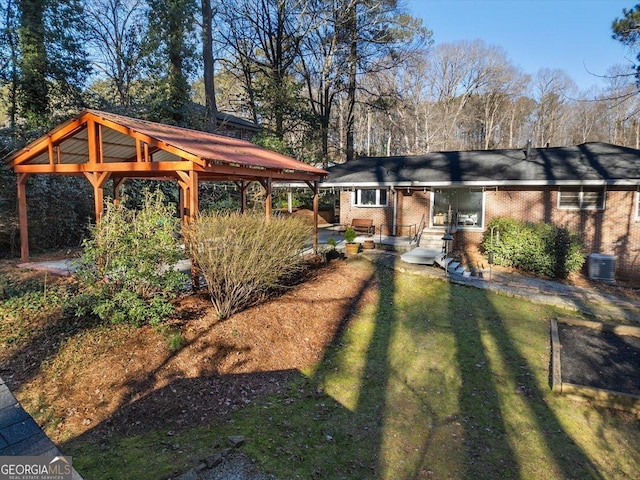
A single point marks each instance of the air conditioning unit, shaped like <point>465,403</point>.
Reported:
<point>602,267</point>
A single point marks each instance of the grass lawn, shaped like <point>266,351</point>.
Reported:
<point>425,380</point>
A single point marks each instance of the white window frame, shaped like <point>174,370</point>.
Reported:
<point>637,204</point>
<point>581,192</point>
<point>356,196</point>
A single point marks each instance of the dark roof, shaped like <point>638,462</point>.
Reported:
<point>588,163</point>
<point>235,121</point>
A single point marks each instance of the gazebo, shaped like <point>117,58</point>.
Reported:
<point>102,146</point>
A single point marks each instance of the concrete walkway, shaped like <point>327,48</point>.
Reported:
<point>603,306</point>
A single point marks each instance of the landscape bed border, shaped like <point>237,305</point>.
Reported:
<point>596,396</point>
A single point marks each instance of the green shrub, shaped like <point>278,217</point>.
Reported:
<point>350,235</point>
<point>125,267</point>
<point>243,258</point>
<point>540,248</point>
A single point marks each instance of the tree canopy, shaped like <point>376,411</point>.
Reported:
<point>325,79</point>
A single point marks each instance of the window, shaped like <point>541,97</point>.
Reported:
<point>584,198</point>
<point>371,198</point>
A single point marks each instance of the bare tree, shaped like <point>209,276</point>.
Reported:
<point>116,31</point>
<point>458,71</point>
<point>552,92</point>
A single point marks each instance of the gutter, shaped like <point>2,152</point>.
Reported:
<point>502,183</point>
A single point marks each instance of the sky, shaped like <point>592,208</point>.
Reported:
<point>572,35</point>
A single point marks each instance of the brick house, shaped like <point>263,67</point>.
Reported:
<point>592,189</point>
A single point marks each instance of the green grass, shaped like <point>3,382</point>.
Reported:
<point>431,380</point>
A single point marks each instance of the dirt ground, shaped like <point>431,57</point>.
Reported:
<point>85,379</point>
<point>98,380</point>
<point>600,359</point>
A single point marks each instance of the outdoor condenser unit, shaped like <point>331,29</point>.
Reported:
<point>602,267</point>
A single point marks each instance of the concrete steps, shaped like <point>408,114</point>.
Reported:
<point>430,252</point>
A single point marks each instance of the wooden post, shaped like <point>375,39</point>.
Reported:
<point>315,188</point>
<point>268,186</point>
<point>193,194</point>
<point>183,196</point>
<point>315,216</point>
<point>243,186</point>
<point>92,141</point>
<point>22,216</point>
<point>193,211</point>
<point>97,180</point>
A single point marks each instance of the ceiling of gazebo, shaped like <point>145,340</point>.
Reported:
<point>129,147</point>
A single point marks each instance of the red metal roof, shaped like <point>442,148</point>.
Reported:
<point>208,147</point>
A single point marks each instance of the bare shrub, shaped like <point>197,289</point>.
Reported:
<point>244,257</point>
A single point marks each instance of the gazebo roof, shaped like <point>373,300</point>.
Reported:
<point>128,147</point>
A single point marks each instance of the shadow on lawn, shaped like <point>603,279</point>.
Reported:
<point>409,390</point>
<point>496,376</point>
<point>205,402</point>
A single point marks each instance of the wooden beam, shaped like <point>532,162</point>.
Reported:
<point>217,172</point>
<point>147,139</point>
<point>276,174</point>
<point>22,216</point>
<point>56,136</point>
<point>117,167</point>
<point>315,189</point>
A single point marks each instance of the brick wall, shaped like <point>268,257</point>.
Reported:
<point>410,210</point>
<point>613,231</point>
<point>380,215</point>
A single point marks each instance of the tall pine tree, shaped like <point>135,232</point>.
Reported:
<point>52,63</point>
<point>171,25</point>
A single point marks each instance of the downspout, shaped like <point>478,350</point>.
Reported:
<point>395,211</point>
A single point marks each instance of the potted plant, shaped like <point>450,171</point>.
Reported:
<point>349,237</point>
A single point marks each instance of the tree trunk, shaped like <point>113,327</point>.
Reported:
<point>209,65</point>
<point>352,32</point>
<point>33,88</point>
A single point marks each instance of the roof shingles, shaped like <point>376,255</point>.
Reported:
<point>586,163</point>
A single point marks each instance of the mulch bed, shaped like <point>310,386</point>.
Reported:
<point>600,359</point>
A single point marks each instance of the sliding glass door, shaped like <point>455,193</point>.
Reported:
<point>458,207</point>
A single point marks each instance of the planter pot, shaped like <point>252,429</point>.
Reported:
<point>352,248</point>
<point>368,244</point>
